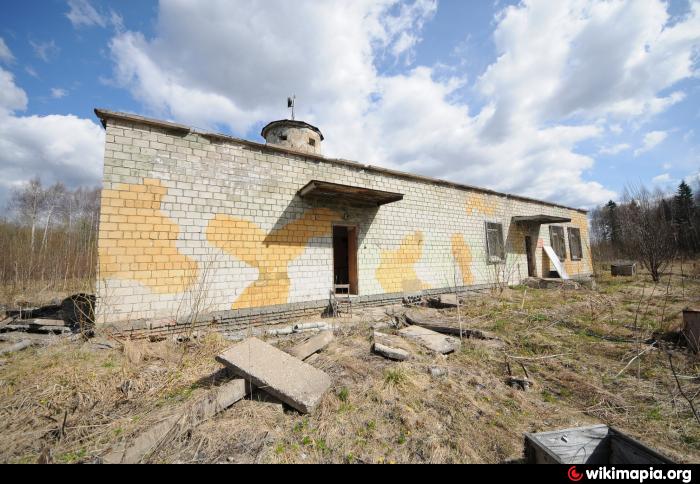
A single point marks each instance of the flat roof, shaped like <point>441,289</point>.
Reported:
<point>322,189</point>
<point>541,219</point>
<point>105,114</point>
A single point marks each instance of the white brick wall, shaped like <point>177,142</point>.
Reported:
<point>203,178</point>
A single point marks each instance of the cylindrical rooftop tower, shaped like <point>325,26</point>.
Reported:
<point>293,135</point>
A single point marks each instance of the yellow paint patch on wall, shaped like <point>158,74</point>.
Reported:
<point>463,256</point>
<point>269,253</point>
<point>479,203</point>
<point>138,241</point>
<point>396,269</point>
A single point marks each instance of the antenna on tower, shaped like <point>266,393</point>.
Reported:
<point>290,104</point>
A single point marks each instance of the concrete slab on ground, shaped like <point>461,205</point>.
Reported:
<point>312,345</point>
<point>294,382</point>
<point>390,346</point>
<point>430,339</point>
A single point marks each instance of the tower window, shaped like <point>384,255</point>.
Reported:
<point>312,142</point>
<point>283,137</point>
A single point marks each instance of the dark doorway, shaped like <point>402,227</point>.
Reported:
<point>530,257</point>
<point>345,258</point>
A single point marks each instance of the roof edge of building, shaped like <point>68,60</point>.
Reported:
<point>105,114</point>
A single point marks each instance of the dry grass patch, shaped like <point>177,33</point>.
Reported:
<point>76,401</point>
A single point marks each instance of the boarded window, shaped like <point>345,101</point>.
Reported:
<point>494,242</point>
<point>575,243</point>
<point>556,238</point>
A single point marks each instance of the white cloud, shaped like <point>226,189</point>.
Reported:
<point>615,128</point>
<point>58,93</point>
<point>664,178</point>
<point>577,59</point>
<point>45,51</point>
<point>614,149</point>
<point>564,70</point>
<point>403,30</point>
<point>5,53</point>
<point>56,148</point>
<point>650,141</point>
<point>693,180</point>
<point>12,98</point>
<point>667,166</point>
<point>82,13</point>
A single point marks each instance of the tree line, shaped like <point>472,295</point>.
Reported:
<point>648,226</point>
<point>48,235</point>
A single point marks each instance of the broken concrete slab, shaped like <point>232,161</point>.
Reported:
<point>36,329</point>
<point>390,352</point>
<point>396,354</point>
<point>430,339</point>
<point>312,345</point>
<point>22,345</point>
<point>421,315</point>
<point>294,382</point>
<point>215,401</point>
<point>391,340</point>
<point>444,301</point>
<point>551,283</point>
<point>390,346</point>
<point>432,321</point>
<point>47,322</point>
<point>144,444</point>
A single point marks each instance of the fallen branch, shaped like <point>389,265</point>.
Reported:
<point>680,388</point>
<point>649,348</point>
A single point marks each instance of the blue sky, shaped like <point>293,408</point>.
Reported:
<point>567,101</point>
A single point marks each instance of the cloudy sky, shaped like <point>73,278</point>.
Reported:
<point>562,100</point>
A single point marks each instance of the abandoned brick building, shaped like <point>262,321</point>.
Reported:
<point>198,221</point>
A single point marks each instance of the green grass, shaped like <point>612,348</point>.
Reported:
<point>394,376</point>
<point>548,397</point>
<point>654,413</point>
<point>71,457</point>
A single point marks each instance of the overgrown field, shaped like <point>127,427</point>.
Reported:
<point>72,401</point>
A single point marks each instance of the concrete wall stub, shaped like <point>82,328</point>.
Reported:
<point>293,135</point>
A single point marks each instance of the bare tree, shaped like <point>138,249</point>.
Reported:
<point>646,231</point>
<point>54,198</point>
<point>28,203</point>
<point>60,257</point>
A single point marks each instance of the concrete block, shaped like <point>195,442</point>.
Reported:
<point>312,345</point>
<point>430,339</point>
<point>294,382</point>
<point>389,346</point>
